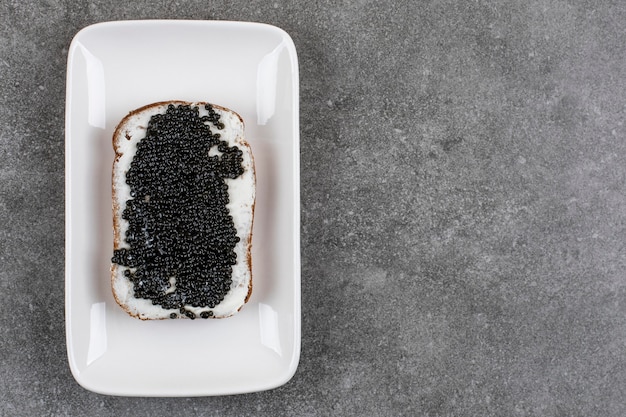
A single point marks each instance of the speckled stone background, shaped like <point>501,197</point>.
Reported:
<point>463,208</point>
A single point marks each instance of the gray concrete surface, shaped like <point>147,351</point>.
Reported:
<point>463,208</point>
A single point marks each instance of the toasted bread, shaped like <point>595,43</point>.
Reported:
<point>166,247</point>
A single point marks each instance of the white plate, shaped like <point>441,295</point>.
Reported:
<point>116,67</point>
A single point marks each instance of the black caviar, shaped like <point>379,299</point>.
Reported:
<point>180,233</point>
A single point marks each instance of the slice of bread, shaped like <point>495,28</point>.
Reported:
<point>168,244</point>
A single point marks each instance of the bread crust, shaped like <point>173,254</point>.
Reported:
<point>121,133</point>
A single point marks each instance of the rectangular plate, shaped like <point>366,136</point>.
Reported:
<point>114,68</point>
